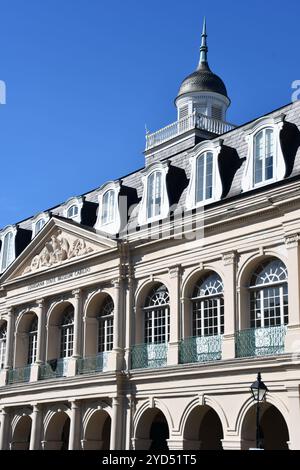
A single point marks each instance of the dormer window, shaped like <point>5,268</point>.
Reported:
<point>204,177</point>
<point>72,209</point>
<point>8,253</point>
<point>155,201</point>
<point>154,195</point>
<point>265,161</point>
<point>108,207</point>
<point>264,156</point>
<point>38,222</point>
<point>109,219</point>
<point>72,212</point>
<point>205,183</point>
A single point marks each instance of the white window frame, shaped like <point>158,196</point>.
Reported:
<point>105,326</point>
<point>217,189</point>
<point>74,201</point>
<point>13,230</point>
<point>163,168</point>
<point>279,166</point>
<point>3,344</point>
<point>113,226</point>
<point>32,342</point>
<point>45,216</point>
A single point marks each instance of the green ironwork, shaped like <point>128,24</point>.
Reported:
<point>54,368</point>
<point>200,349</point>
<point>21,374</point>
<point>260,341</point>
<point>92,364</point>
<point>149,356</point>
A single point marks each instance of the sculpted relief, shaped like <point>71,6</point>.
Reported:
<point>59,249</point>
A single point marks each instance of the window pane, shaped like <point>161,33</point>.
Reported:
<point>154,195</point>
<point>108,207</point>
<point>8,252</point>
<point>204,177</point>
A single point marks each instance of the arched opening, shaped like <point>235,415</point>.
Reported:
<point>203,430</point>
<point>57,433</point>
<point>21,435</point>
<point>97,433</point>
<point>26,340</point>
<point>99,321</point>
<point>264,328</point>
<point>274,433</point>
<point>152,431</point>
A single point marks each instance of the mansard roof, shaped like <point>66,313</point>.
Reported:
<point>232,162</point>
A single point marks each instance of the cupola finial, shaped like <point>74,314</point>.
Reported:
<point>203,48</point>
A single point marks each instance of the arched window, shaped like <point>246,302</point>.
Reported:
<point>72,211</point>
<point>32,341</point>
<point>7,251</point>
<point>67,333</point>
<point>264,156</point>
<point>208,306</point>
<point>204,177</point>
<point>154,195</point>
<point>269,295</point>
<point>106,325</point>
<point>108,207</point>
<point>39,225</point>
<point>3,333</point>
<point>157,316</point>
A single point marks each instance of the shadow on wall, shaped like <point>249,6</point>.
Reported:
<point>290,142</point>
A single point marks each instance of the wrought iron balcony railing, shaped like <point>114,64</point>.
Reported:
<point>54,368</point>
<point>97,363</point>
<point>260,341</point>
<point>193,121</point>
<point>149,356</point>
<point>19,375</point>
<point>200,349</point>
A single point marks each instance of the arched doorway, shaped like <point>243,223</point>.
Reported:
<point>203,430</point>
<point>273,429</point>
<point>152,432</point>
<point>57,433</point>
<point>97,432</point>
<point>21,434</point>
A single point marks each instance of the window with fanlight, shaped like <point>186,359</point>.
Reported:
<point>263,156</point>
<point>269,295</point>
<point>67,333</point>
<point>3,337</point>
<point>108,207</point>
<point>106,326</point>
<point>154,195</point>
<point>208,306</point>
<point>157,316</point>
<point>204,177</point>
<point>72,211</point>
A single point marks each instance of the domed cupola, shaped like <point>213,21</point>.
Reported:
<point>203,91</point>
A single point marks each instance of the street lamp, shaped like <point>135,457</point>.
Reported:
<point>259,391</point>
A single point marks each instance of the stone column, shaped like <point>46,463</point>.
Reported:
<point>116,424</point>
<point>4,417</point>
<point>35,436</point>
<point>10,339</point>
<point>228,344</point>
<point>41,342</point>
<point>72,363</point>
<point>74,437</point>
<point>116,355</point>
<point>173,349</point>
<point>129,321</point>
<point>294,416</point>
<point>292,343</point>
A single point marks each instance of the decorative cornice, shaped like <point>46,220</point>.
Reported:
<point>292,241</point>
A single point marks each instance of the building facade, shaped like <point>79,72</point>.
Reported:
<point>137,316</point>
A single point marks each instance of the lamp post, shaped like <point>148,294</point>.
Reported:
<point>259,391</point>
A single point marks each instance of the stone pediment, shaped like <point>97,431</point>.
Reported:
<point>58,243</point>
<point>58,249</point>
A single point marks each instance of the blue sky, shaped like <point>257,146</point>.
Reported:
<point>83,78</point>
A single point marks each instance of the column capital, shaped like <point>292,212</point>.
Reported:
<point>74,403</point>
<point>175,271</point>
<point>40,303</point>
<point>292,241</point>
<point>10,311</point>
<point>76,293</point>
<point>36,407</point>
<point>116,283</point>
<point>229,258</point>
